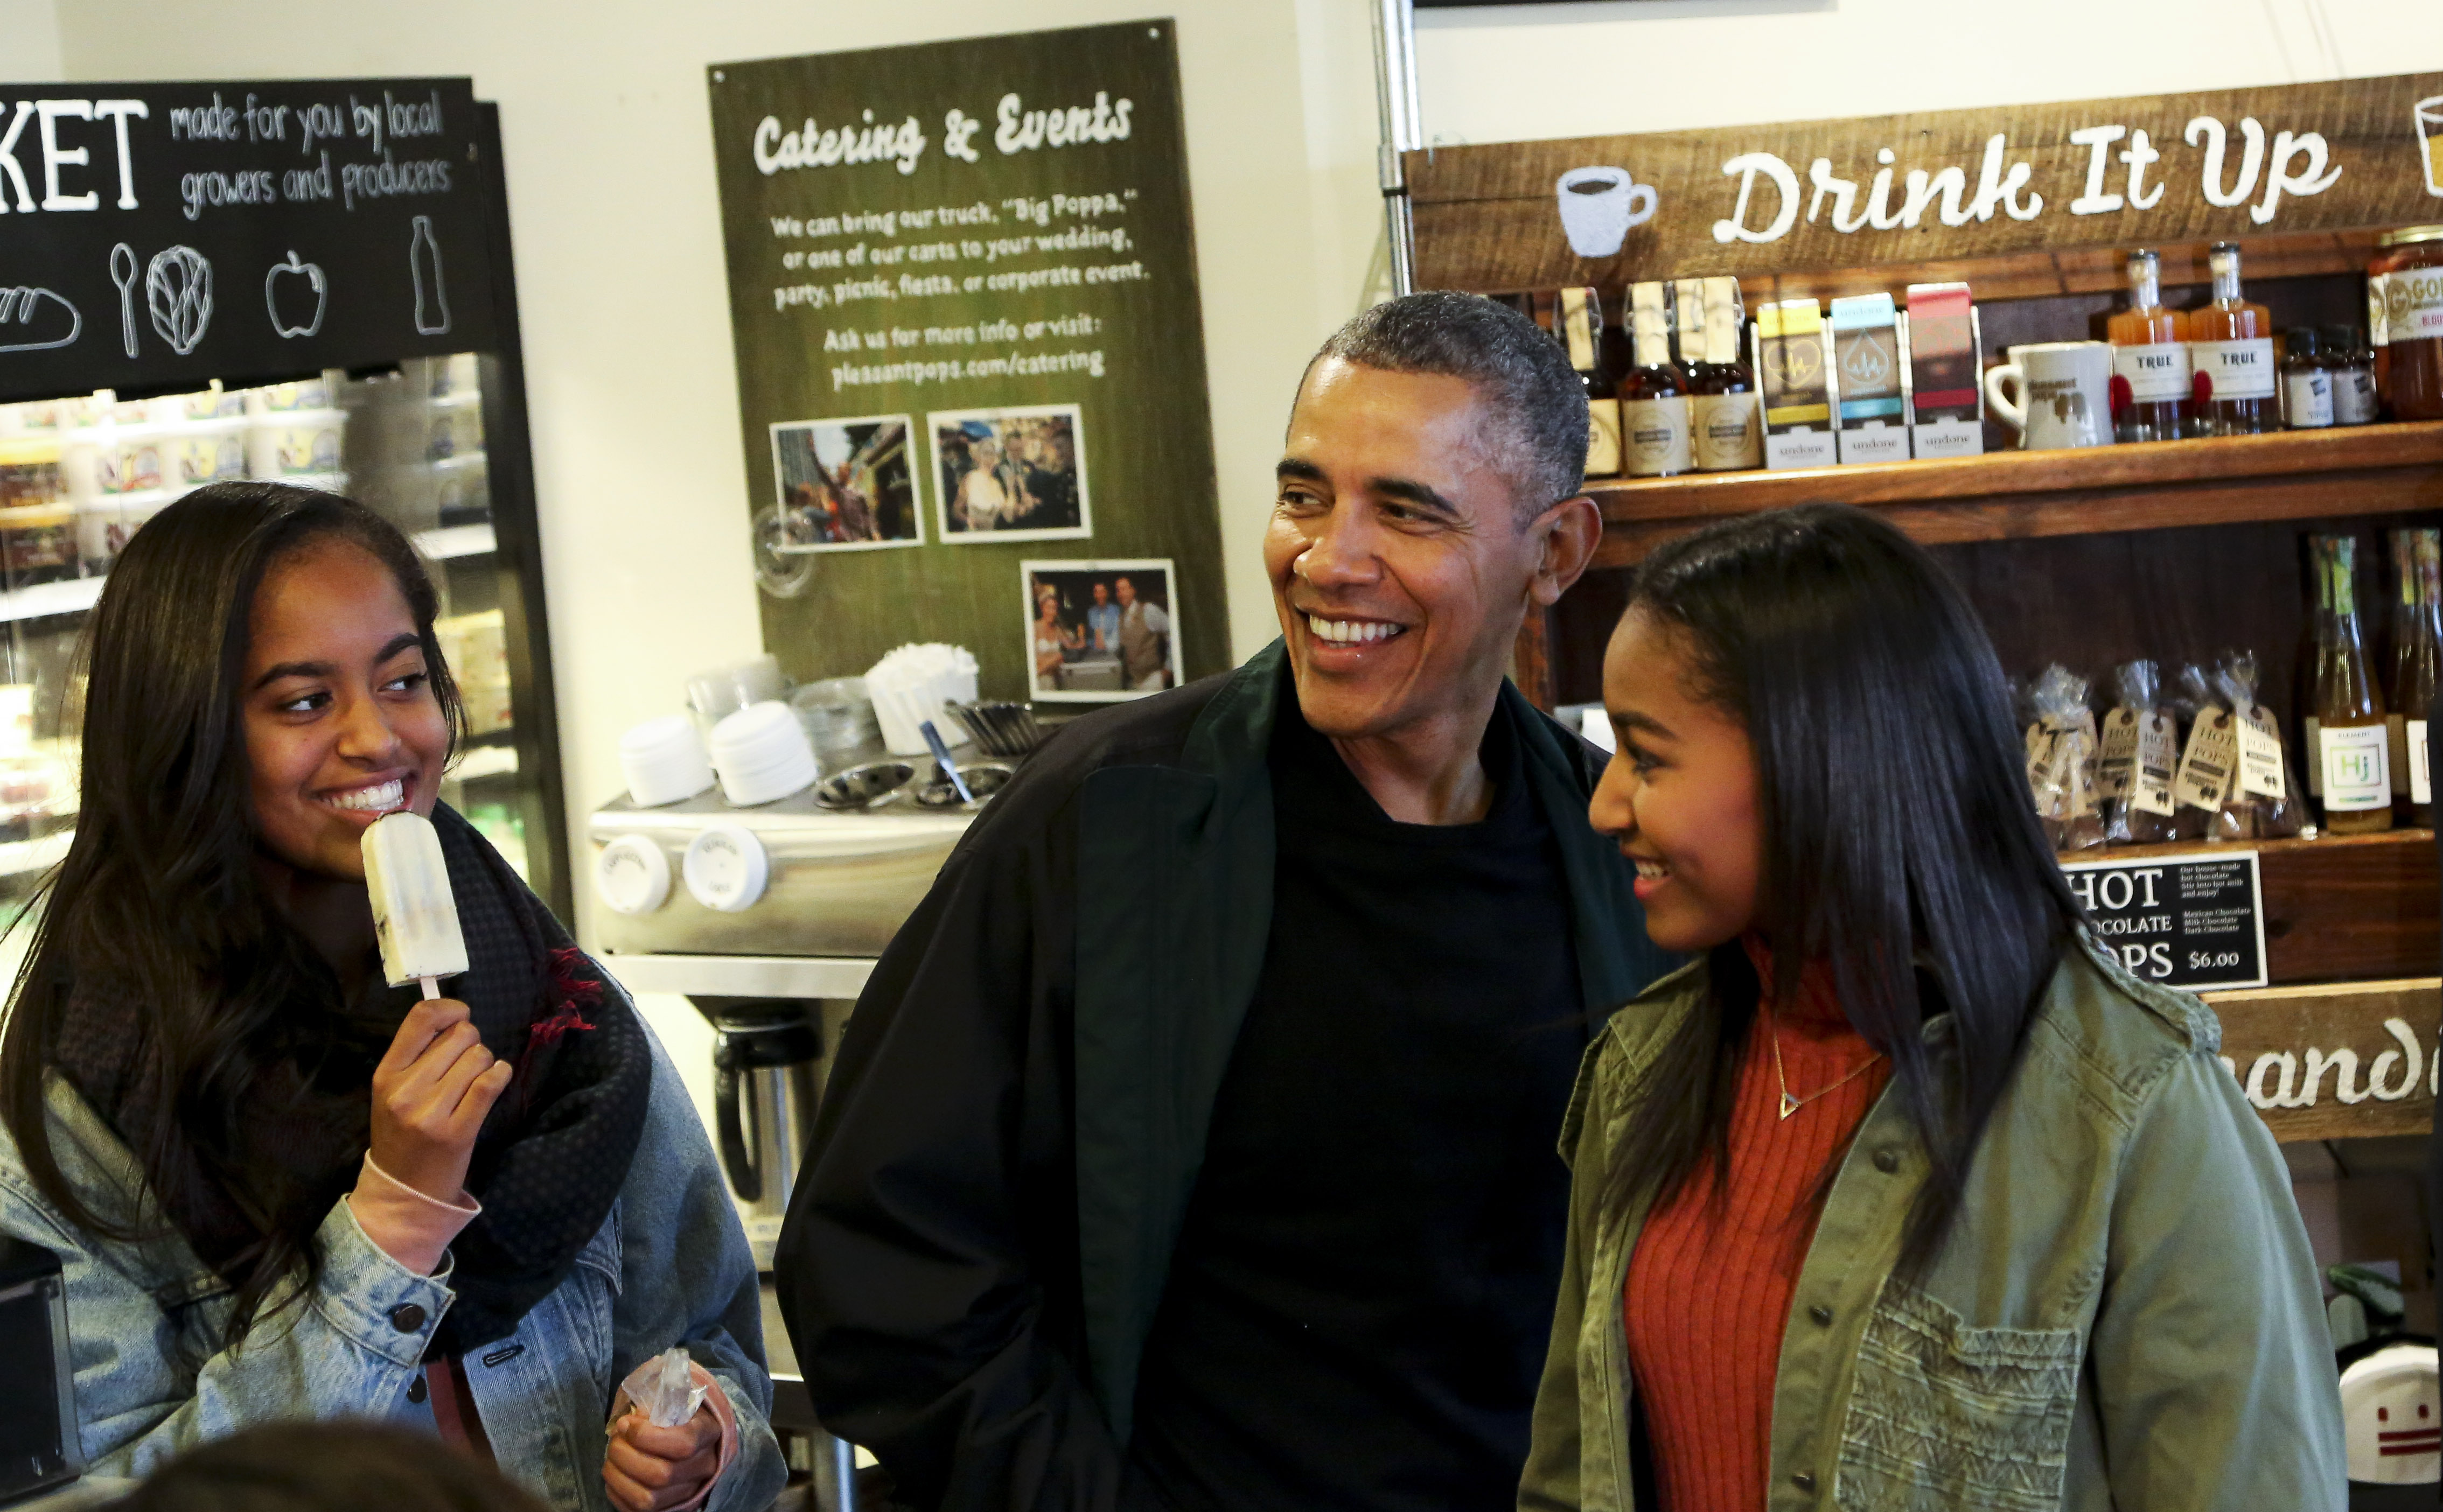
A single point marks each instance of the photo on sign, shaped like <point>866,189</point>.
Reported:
<point>1017,474</point>
<point>843,485</point>
<point>1098,632</point>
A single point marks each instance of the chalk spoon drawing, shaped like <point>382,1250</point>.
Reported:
<point>178,295</point>
<point>424,261</point>
<point>123,272</point>
<point>286,288</point>
<point>1599,205</point>
<point>30,318</point>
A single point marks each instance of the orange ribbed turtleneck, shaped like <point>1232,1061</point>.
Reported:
<point>1709,1286</point>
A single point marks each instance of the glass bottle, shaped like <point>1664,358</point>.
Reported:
<point>1580,315</point>
<point>2405,299</point>
<point>1726,430</point>
<point>2308,675</point>
<point>1689,327</point>
<point>1654,396</point>
<point>2353,746</point>
<point>2354,395</point>
<point>2306,381</point>
<point>2419,668</point>
<point>2231,340</point>
<point>2150,358</point>
<point>2401,649</point>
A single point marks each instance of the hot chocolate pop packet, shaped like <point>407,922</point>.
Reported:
<point>2264,803</point>
<point>2139,759</point>
<point>2209,755</point>
<point>2062,775</point>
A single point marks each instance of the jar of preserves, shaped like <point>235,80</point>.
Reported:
<point>2405,302</point>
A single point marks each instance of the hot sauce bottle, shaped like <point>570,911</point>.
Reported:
<point>2150,358</point>
<point>2231,340</point>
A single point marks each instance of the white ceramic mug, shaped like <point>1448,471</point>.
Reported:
<point>2065,394</point>
<point>1599,205</point>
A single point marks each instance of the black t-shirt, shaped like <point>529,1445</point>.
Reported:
<point>1361,1298</point>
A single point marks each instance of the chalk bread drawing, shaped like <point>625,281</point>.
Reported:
<point>1599,205</point>
<point>287,286</point>
<point>36,316</point>
<point>424,261</point>
<point>123,272</point>
<point>178,295</point>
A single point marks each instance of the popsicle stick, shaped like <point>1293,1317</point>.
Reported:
<point>432,988</point>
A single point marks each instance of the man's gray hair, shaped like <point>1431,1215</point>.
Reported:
<point>1537,436</point>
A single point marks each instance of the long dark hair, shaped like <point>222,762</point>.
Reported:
<point>158,900</point>
<point>1900,845</point>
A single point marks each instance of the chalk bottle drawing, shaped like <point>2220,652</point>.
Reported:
<point>424,261</point>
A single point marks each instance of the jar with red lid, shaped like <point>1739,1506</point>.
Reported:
<point>2405,302</point>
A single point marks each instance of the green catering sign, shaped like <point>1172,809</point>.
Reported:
<point>970,358</point>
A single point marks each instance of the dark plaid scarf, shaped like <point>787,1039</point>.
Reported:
<point>552,1154</point>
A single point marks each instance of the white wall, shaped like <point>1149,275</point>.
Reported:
<point>1509,73</point>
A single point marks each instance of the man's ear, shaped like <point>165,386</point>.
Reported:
<point>1565,537</point>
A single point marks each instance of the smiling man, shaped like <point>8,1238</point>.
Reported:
<point>1193,1146</point>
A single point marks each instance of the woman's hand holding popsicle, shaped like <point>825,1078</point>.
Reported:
<point>430,1095</point>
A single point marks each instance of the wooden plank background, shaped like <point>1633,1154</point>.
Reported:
<point>2372,1047</point>
<point>1487,218</point>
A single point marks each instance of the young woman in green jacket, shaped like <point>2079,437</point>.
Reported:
<point>1903,1194</point>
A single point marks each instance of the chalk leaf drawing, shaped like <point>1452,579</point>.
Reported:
<point>32,320</point>
<point>178,295</point>
<point>296,293</point>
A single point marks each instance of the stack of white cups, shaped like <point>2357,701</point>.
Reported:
<point>664,761</point>
<point>762,755</point>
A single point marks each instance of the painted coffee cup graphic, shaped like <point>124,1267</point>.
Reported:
<point>2429,142</point>
<point>1599,205</point>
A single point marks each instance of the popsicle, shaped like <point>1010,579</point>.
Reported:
<point>415,917</point>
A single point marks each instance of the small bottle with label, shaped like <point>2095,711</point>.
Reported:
<point>1726,429</point>
<point>2231,340</point>
<point>2150,358</point>
<point>1579,313</point>
<point>2417,670</point>
<point>2351,738</point>
<point>1654,396</point>
<point>2353,362</point>
<point>2306,381</point>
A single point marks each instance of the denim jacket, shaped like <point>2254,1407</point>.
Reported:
<point>2125,1313</point>
<point>669,1266</point>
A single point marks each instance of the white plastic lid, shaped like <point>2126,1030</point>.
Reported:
<point>664,761</point>
<point>632,876</point>
<point>726,867</point>
<point>761,754</point>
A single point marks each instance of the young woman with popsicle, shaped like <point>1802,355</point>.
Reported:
<point>282,1187</point>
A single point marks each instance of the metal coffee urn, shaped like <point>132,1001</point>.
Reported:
<point>766,1055</point>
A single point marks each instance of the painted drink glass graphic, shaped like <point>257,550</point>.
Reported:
<point>2429,142</point>
<point>1599,205</point>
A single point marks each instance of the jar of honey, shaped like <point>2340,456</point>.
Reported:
<point>2405,298</point>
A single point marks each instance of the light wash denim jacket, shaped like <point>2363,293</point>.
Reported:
<point>670,1266</point>
<point>2125,1315</point>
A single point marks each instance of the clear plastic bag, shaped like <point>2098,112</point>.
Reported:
<point>663,1388</point>
<point>2266,801</point>
<point>2139,756</point>
<point>2062,750</point>
<point>2192,703</point>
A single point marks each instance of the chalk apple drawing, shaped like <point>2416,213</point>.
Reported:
<point>287,286</point>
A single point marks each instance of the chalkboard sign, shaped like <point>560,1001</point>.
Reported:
<point>154,236</point>
<point>2195,922</point>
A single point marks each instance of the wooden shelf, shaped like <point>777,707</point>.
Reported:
<point>2019,495</point>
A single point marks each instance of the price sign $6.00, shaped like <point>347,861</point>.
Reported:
<point>2195,922</point>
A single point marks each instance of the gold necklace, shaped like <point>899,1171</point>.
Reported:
<point>1791,1105</point>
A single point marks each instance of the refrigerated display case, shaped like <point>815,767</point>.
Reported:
<point>365,344</point>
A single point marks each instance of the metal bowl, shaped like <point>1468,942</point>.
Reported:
<point>984,778</point>
<point>863,787</point>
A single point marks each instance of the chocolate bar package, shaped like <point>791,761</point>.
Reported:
<point>1946,393</point>
<point>1797,383</point>
<point>1866,357</point>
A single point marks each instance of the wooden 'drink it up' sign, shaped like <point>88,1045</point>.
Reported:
<point>2338,1060</point>
<point>1928,186</point>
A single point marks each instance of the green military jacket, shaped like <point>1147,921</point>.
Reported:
<point>2125,1313</point>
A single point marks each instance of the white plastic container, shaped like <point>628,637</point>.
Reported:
<point>664,761</point>
<point>203,451</point>
<point>289,398</point>
<point>762,755</point>
<point>287,444</point>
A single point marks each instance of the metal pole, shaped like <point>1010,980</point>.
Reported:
<point>1403,130</point>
